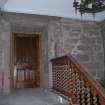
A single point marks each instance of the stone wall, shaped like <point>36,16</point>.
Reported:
<point>102,24</point>
<point>103,33</point>
<point>24,23</point>
<point>60,36</point>
<point>20,23</point>
<point>4,56</point>
<point>83,40</point>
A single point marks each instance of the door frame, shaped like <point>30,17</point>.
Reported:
<point>13,59</point>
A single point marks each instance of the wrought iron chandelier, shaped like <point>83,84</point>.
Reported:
<point>89,6</point>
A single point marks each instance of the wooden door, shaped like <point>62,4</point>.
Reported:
<point>26,60</point>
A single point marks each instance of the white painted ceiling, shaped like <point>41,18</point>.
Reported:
<point>61,8</point>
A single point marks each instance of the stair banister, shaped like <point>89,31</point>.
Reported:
<point>72,80</point>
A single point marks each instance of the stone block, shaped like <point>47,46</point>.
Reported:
<point>99,40</point>
<point>85,40</point>
<point>84,48</point>
<point>98,48</point>
<point>71,41</point>
<point>65,34</point>
<point>74,34</point>
<point>92,65</point>
<point>100,56</point>
<point>95,35</point>
<point>68,47</point>
<point>82,57</point>
<point>76,29</point>
<point>66,27</point>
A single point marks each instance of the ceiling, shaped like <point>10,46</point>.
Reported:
<point>61,8</point>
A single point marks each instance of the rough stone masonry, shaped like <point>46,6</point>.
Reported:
<point>84,41</point>
<point>60,36</point>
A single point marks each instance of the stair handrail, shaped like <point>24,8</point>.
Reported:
<point>87,90</point>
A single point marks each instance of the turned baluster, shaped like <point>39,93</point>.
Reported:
<point>73,78</point>
<point>88,94</point>
<point>63,77</point>
<point>54,75</point>
<point>70,78</point>
<point>59,69</point>
<point>82,92</point>
<point>77,88</point>
<point>74,84</point>
<point>68,74</point>
<point>57,76</point>
<point>65,81</point>
<point>95,98</point>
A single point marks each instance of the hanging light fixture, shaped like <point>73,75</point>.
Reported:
<point>89,6</point>
<point>2,3</point>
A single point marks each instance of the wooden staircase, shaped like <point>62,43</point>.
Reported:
<point>71,80</point>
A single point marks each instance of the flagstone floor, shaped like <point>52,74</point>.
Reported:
<point>32,97</point>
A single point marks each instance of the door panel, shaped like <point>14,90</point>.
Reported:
<point>26,51</point>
